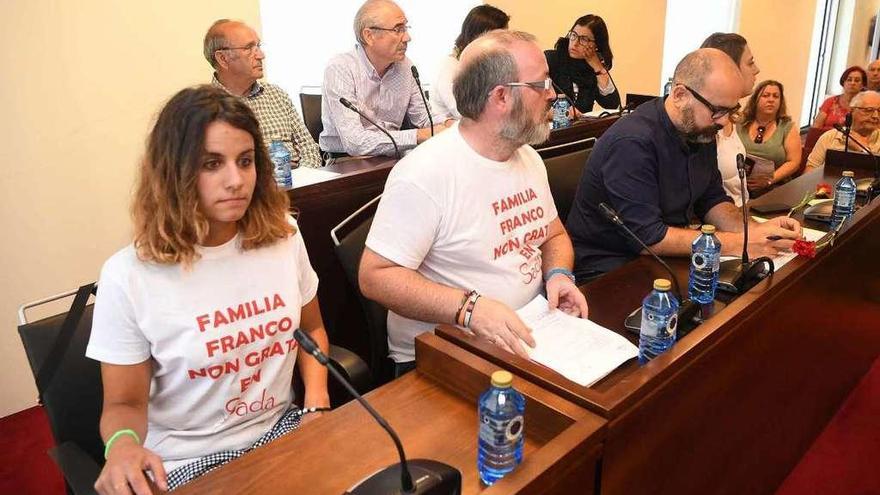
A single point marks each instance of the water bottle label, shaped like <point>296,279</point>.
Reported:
<point>514,429</point>
<point>658,325</point>
<point>494,431</point>
<point>706,261</point>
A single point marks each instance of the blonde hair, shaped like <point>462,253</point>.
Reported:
<point>167,222</point>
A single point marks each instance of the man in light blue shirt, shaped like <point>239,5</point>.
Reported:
<point>377,77</point>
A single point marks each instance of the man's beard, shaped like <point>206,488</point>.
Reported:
<point>519,127</point>
<point>694,134</point>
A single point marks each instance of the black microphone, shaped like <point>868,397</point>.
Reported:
<point>864,186</point>
<point>686,310</point>
<point>847,122</point>
<point>432,477</point>
<point>415,73</point>
<point>611,78</point>
<point>351,106</point>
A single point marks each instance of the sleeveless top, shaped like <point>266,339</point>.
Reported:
<point>772,149</point>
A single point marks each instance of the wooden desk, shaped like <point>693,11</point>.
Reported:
<point>323,205</point>
<point>732,406</point>
<point>433,410</point>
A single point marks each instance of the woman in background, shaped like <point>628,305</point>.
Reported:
<point>480,19</point>
<point>729,142</point>
<point>833,111</point>
<point>193,322</point>
<point>580,62</point>
<point>768,132</point>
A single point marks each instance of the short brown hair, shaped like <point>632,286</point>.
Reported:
<point>167,221</point>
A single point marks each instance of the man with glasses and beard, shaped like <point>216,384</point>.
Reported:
<point>466,230</point>
<point>658,169</point>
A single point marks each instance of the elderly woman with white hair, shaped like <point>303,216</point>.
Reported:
<point>865,108</point>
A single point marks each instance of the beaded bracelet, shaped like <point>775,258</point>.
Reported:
<point>558,271</point>
<point>115,436</point>
<point>308,410</point>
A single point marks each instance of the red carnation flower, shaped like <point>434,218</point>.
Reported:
<point>804,248</point>
<point>823,190</point>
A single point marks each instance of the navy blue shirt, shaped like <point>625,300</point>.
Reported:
<point>643,168</point>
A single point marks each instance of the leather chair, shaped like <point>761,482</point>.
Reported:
<point>349,239</point>
<point>564,174</point>
<point>311,110</point>
<point>73,395</point>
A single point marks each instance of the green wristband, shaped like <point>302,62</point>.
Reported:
<point>116,436</point>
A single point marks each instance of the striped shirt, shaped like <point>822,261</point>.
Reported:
<point>385,99</point>
<point>279,121</point>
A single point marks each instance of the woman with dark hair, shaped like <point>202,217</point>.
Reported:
<point>580,63</point>
<point>833,111</point>
<point>480,19</point>
<point>728,141</point>
<point>768,132</point>
<point>193,322</point>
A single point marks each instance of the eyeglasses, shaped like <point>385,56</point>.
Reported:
<point>539,85</point>
<point>759,137</point>
<point>717,111</point>
<point>250,48</point>
<point>583,40</point>
<point>398,30</point>
<point>868,110</point>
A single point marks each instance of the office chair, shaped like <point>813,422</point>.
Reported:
<point>71,392</point>
<point>349,239</point>
<point>311,113</point>
<point>564,174</point>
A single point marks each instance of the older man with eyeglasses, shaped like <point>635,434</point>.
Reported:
<point>467,231</point>
<point>658,169</point>
<point>865,131</point>
<point>377,78</point>
<point>234,51</point>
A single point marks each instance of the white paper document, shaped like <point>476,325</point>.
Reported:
<point>577,349</point>
<point>782,259</point>
<point>304,176</point>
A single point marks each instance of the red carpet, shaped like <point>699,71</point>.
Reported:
<point>843,460</point>
<point>24,466</point>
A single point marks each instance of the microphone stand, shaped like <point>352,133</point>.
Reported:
<point>415,73</point>
<point>351,106</point>
<point>733,275</point>
<point>686,310</point>
<point>432,477</point>
<point>871,186</point>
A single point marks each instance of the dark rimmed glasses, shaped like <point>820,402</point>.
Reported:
<point>717,111</point>
<point>577,38</point>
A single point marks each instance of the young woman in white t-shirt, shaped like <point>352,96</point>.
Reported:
<point>193,323</point>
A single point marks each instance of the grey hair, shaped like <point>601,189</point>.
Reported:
<point>366,17</point>
<point>491,66</point>
<point>693,69</point>
<point>858,99</point>
<point>215,40</point>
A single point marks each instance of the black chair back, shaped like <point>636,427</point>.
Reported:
<point>349,249</point>
<point>73,398</point>
<point>311,109</point>
<point>564,173</point>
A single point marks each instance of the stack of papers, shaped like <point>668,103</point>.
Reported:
<point>577,349</point>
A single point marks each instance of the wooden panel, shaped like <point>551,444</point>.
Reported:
<point>435,419</point>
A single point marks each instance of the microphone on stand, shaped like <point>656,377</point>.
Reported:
<point>735,276</point>
<point>686,310</point>
<point>415,73</point>
<point>867,187</point>
<point>431,477</point>
<point>351,106</point>
<point>847,123</point>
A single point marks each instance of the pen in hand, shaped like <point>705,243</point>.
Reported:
<point>774,237</point>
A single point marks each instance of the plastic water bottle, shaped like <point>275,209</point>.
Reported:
<point>659,321</point>
<point>280,157</point>
<point>705,261</point>
<point>500,437</point>
<point>844,199</point>
<point>667,88</point>
<point>560,112</point>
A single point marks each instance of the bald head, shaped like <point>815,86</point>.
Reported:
<point>707,67</point>
<point>487,62</point>
<point>371,14</point>
<point>215,39</point>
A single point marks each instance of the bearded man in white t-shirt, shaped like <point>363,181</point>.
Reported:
<point>466,230</point>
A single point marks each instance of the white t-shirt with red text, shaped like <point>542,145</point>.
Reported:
<point>464,221</point>
<point>220,336</point>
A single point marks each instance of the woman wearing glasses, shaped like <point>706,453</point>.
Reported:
<point>833,111</point>
<point>480,19</point>
<point>768,132</point>
<point>580,63</point>
<point>865,108</point>
<point>194,320</point>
